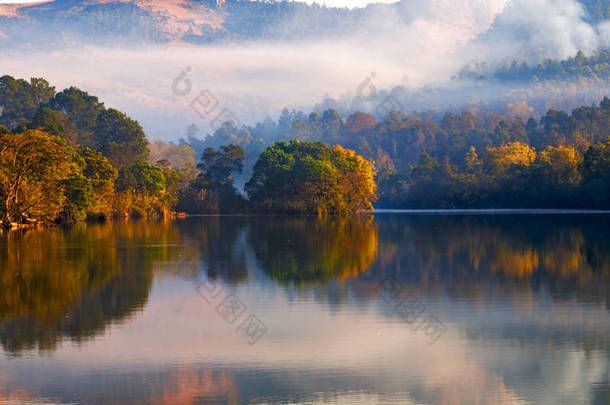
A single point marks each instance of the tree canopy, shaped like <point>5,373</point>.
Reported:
<point>311,178</point>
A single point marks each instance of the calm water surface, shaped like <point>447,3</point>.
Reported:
<point>395,309</point>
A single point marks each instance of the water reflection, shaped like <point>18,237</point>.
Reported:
<point>70,283</point>
<point>566,254</point>
<point>306,250</point>
<point>526,300</point>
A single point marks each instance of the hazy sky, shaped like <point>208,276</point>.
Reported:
<point>335,3</point>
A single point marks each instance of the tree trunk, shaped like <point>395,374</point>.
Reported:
<point>6,220</point>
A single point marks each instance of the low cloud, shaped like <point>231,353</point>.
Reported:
<point>419,44</point>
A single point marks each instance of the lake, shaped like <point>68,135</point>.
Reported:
<point>396,308</point>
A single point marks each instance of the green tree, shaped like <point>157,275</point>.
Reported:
<point>218,166</point>
<point>141,188</point>
<point>79,195</point>
<point>48,120</point>
<point>119,138</point>
<point>596,173</point>
<point>19,99</point>
<point>82,111</point>
<point>213,190</point>
<point>41,90</point>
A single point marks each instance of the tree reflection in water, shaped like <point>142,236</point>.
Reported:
<point>312,250</point>
<point>57,284</point>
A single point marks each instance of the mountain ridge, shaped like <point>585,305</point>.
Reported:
<point>120,22</point>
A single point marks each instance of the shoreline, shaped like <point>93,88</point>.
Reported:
<point>495,211</point>
<point>381,211</point>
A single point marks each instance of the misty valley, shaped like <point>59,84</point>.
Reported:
<point>305,202</point>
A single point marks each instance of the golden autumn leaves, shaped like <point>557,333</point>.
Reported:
<point>311,178</point>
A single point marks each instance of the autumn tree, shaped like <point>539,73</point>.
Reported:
<point>356,187</point>
<point>501,158</point>
<point>559,165</point>
<point>36,171</point>
<point>101,175</point>
<point>359,122</point>
<point>311,178</point>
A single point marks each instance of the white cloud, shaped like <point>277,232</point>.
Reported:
<point>536,29</point>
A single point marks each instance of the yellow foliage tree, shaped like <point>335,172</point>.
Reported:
<point>503,157</point>
<point>561,163</point>
<point>356,180</point>
<point>33,168</point>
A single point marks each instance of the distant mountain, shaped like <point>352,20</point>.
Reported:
<point>137,22</point>
<point>126,22</point>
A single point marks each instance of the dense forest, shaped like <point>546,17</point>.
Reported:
<point>559,84</point>
<point>66,157</point>
<point>474,158</point>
